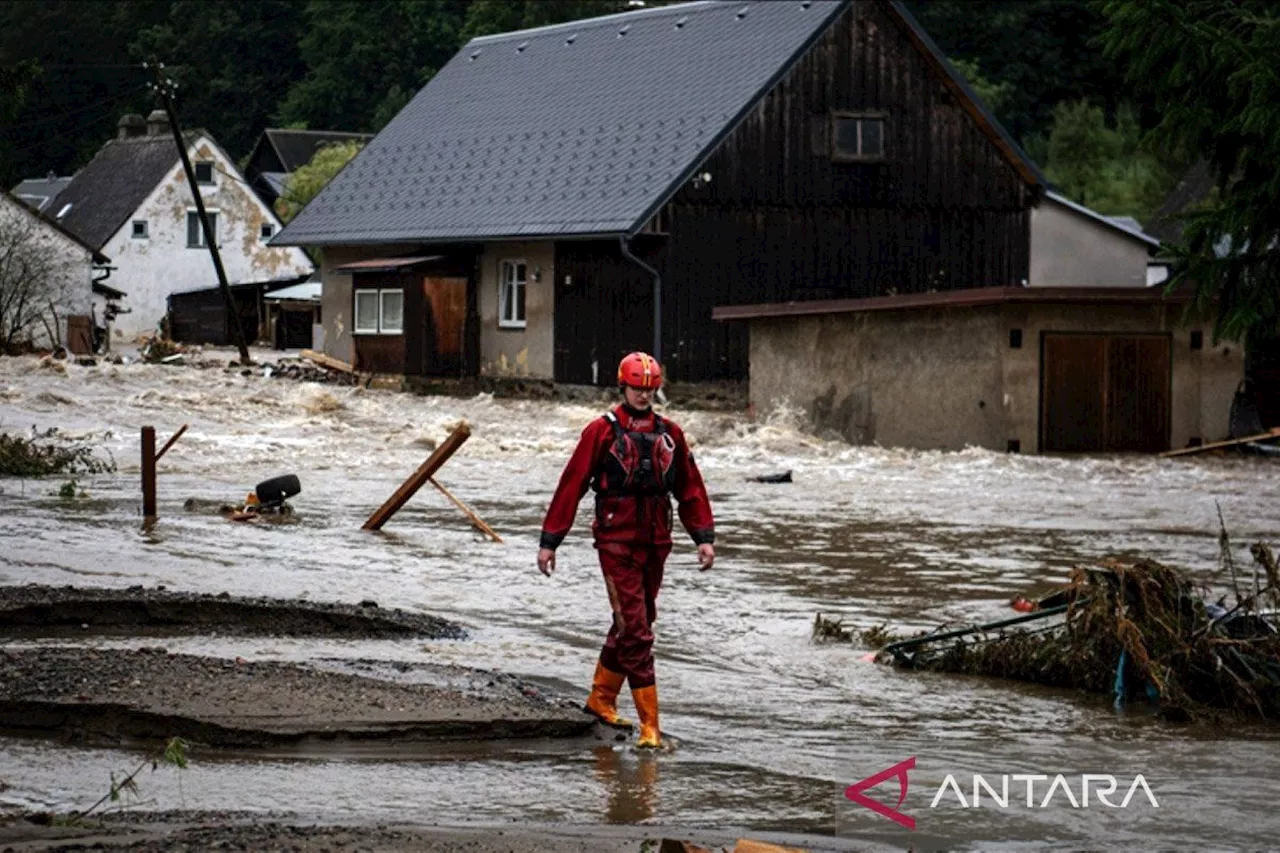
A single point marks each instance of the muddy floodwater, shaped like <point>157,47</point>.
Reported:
<point>771,729</point>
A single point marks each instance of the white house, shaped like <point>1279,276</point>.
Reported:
<point>47,290</point>
<point>132,202</point>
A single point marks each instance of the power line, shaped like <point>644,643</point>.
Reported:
<point>107,107</point>
<point>119,96</point>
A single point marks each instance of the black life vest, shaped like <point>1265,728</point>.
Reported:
<point>637,463</point>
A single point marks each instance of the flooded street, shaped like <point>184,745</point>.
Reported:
<point>771,728</point>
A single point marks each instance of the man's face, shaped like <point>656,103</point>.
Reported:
<point>638,398</point>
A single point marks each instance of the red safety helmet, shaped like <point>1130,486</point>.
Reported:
<point>640,370</point>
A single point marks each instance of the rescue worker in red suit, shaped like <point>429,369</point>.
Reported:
<point>634,460</point>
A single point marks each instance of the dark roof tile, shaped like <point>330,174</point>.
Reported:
<point>117,180</point>
<point>581,135</point>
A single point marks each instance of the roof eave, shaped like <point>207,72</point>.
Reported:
<point>403,240</point>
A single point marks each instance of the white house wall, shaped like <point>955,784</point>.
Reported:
<point>152,268</point>
<point>70,265</point>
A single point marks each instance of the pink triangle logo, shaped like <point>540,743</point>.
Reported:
<point>854,792</point>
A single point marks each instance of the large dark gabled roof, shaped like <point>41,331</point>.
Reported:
<point>105,193</point>
<point>295,148</point>
<point>573,129</point>
<point>584,128</point>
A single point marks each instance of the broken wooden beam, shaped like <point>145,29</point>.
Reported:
<point>177,435</point>
<point>327,361</point>
<point>476,521</point>
<point>1213,445</point>
<point>420,477</point>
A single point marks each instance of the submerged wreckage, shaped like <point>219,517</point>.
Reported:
<point>1135,629</point>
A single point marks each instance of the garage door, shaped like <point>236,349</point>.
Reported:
<point>1104,393</point>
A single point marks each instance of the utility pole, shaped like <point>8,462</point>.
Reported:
<point>164,88</point>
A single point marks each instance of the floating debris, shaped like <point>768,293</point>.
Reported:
<point>49,452</point>
<point>1135,629</point>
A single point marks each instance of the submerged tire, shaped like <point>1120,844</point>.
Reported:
<point>277,489</point>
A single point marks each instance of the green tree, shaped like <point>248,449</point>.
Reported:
<point>993,93</point>
<point>84,82</point>
<point>1045,51</point>
<point>365,58</point>
<point>1212,70</point>
<point>305,182</point>
<point>232,61</point>
<point>1081,147</point>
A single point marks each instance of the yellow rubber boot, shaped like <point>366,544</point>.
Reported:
<point>646,699</point>
<point>603,701</point>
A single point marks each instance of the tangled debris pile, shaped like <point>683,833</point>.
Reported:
<point>49,452</point>
<point>303,371</point>
<point>1134,628</point>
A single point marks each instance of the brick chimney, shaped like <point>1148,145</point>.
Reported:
<point>131,125</point>
<point>157,123</point>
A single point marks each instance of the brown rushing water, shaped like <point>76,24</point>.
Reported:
<point>771,728</point>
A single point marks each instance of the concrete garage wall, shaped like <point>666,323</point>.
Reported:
<point>947,378</point>
<point>336,302</point>
<point>929,379</point>
<point>527,352</point>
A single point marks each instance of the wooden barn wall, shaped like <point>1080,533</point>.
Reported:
<point>780,220</point>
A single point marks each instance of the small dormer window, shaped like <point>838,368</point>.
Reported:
<point>140,229</point>
<point>857,137</point>
<point>204,174</point>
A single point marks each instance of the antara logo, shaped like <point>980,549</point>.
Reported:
<point>1103,786</point>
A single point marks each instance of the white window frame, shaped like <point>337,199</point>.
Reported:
<point>213,173</point>
<point>200,243</point>
<point>521,285</point>
<point>379,295</point>
<point>382,311</point>
<point>133,229</point>
<point>860,117</point>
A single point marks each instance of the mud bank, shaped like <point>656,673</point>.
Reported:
<point>115,695</point>
<point>44,611</point>
<point>219,831</point>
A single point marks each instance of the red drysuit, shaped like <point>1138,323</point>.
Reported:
<point>634,460</point>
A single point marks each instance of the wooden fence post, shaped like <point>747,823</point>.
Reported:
<point>149,472</point>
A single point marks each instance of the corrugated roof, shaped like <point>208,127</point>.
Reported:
<point>573,129</point>
<point>117,180</point>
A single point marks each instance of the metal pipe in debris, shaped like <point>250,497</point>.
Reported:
<point>903,645</point>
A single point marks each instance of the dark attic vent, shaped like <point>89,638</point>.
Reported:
<point>680,23</point>
<point>805,5</point>
<point>742,13</point>
<point>474,55</point>
<point>622,32</point>
<point>571,39</point>
<point>521,46</point>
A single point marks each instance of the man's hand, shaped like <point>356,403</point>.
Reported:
<point>546,561</point>
<point>706,555</point>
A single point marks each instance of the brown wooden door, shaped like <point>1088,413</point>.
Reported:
<point>1105,393</point>
<point>445,325</point>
